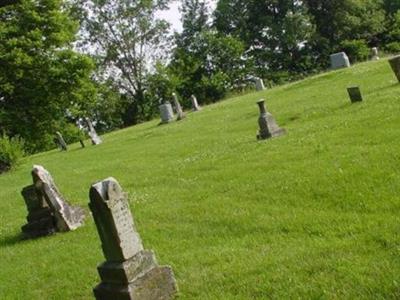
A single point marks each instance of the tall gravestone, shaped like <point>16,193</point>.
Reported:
<point>48,211</point>
<point>94,137</point>
<point>129,272</point>
<point>59,140</point>
<point>195,104</point>
<point>178,108</point>
<point>374,53</point>
<point>354,94</point>
<point>268,126</point>
<point>259,84</point>
<point>166,113</point>
<point>339,60</point>
<point>395,64</point>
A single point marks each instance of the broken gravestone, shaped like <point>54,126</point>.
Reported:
<point>59,140</point>
<point>354,94</point>
<point>395,64</point>
<point>268,126</point>
<point>129,272</point>
<point>48,211</point>
<point>94,137</point>
<point>259,84</point>
<point>339,60</point>
<point>166,113</point>
<point>195,104</point>
<point>178,108</point>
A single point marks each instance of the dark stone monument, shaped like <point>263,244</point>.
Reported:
<point>59,140</point>
<point>166,113</point>
<point>195,104</point>
<point>96,140</point>
<point>355,94</point>
<point>48,211</point>
<point>178,108</point>
<point>129,272</point>
<point>395,64</point>
<point>268,126</point>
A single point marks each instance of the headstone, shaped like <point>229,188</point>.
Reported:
<point>395,64</point>
<point>375,53</point>
<point>96,140</point>
<point>339,60</point>
<point>166,113</point>
<point>259,84</point>
<point>59,140</point>
<point>195,104</point>
<point>129,272</point>
<point>48,211</point>
<point>355,94</point>
<point>178,108</point>
<point>82,143</point>
<point>268,126</point>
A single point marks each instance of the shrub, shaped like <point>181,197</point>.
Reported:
<point>11,151</point>
<point>393,47</point>
<point>357,50</point>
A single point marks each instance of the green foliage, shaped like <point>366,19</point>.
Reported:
<point>357,50</point>
<point>11,151</point>
<point>393,47</point>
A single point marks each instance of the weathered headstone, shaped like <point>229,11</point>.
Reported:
<point>259,84</point>
<point>96,140</point>
<point>374,53</point>
<point>268,126</point>
<point>48,211</point>
<point>339,60</point>
<point>178,108</point>
<point>59,140</point>
<point>166,113</point>
<point>129,272</point>
<point>395,64</point>
<point>354,94</point>
<point>195,104</point>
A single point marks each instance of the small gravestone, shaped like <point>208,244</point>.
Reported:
<point>268,126</point>
<point>178,108</point>
<point>259,84</point>
<point>374,53</point>
<point>339,60</point>
<point>129,272</point>
<point>48,211</point>
<point>96,140</point>
<point>195,104</point>
<point>354,94</point>
<point>59,140</point>
<point>395,64</point>
<point>166,113</point>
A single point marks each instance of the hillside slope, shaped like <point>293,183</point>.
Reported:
<point>312,214</point>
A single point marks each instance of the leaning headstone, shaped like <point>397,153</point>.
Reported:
<point>259,84</point>
<point>178,108</point>
<point>339,60</point>
<point>395,64</point>
<point>60,141</point>
<point>374,53</point>
<point>195,104</point>
<point>96,140</point>
<point>354,94</point>
<point>268,126</point>
<point>48,211</point>
<point>166,113</point>
<point>129,272</point>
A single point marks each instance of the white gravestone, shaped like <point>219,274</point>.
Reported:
<point>339,60</point>
<point>166,113</point>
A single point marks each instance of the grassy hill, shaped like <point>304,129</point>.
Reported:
<point>313,214</point>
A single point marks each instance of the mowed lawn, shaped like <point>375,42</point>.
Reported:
<point>314,214</point>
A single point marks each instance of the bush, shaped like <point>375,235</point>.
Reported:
<point>393,47</point>
<point>11,151</point>
<point>357,50</point>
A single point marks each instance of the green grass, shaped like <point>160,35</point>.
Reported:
<point>314,214</point>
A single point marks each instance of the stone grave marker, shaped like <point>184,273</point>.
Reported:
<point>48,211</point>
<point>166,113</point>
<point>395,64</point>
<point>195,104</point>
<point>374,53</point>
<point>178,108</point>
<point>59,140</point>
<point>259,84</point>
<point>268,126</point>
<point>339,60</point>
<point>354,94</point>
<point>129,272</point>
<point>96,140</point>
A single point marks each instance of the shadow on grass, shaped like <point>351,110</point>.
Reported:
<point>12,240</point>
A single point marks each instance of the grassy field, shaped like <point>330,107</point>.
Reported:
<point>314,214</point>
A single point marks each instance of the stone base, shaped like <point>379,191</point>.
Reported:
<point>268,127</point>
<point>42,227</point>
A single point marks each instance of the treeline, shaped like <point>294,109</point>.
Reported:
<point>114,61</point>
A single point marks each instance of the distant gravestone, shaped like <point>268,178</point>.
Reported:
<point>129,272</point>
<point>374,53</point>
<point>268,126</point>
<point>166,113</point>
<point>259,84</point>
<point>96,140</point>
<point>178,108</point>
<point>354,94</point>
<point>59,140</point>
<point>195,104</point>
<point>48,211</point>
<point>339,60</point>
<point>395,64</point>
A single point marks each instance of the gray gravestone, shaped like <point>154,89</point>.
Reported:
<point>178,108</point>
<point>268,126</point>
<point>354,94</point>
<point>339,60</point>
<point>60,142</point>
<point>195,104</point>
<point>129,272</point>
<point>48,211</point>
<point>96,140</point>
<point>259,84</point>
<point>395,64</point>
<point>166,113</point>
<point>375,53</point>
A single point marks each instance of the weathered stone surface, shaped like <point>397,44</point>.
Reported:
<point>268,126</point>
<point>96,140</point>
<point>195,104</point>
<point>374,53</point>
<point>259,84</point>
<point>166,113</point>
<point>130,272</point>
<point>354,94</point>
<point>59,140</point>
<point>395,64</point>
<point>339,60</point>
<point>178,108</point>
